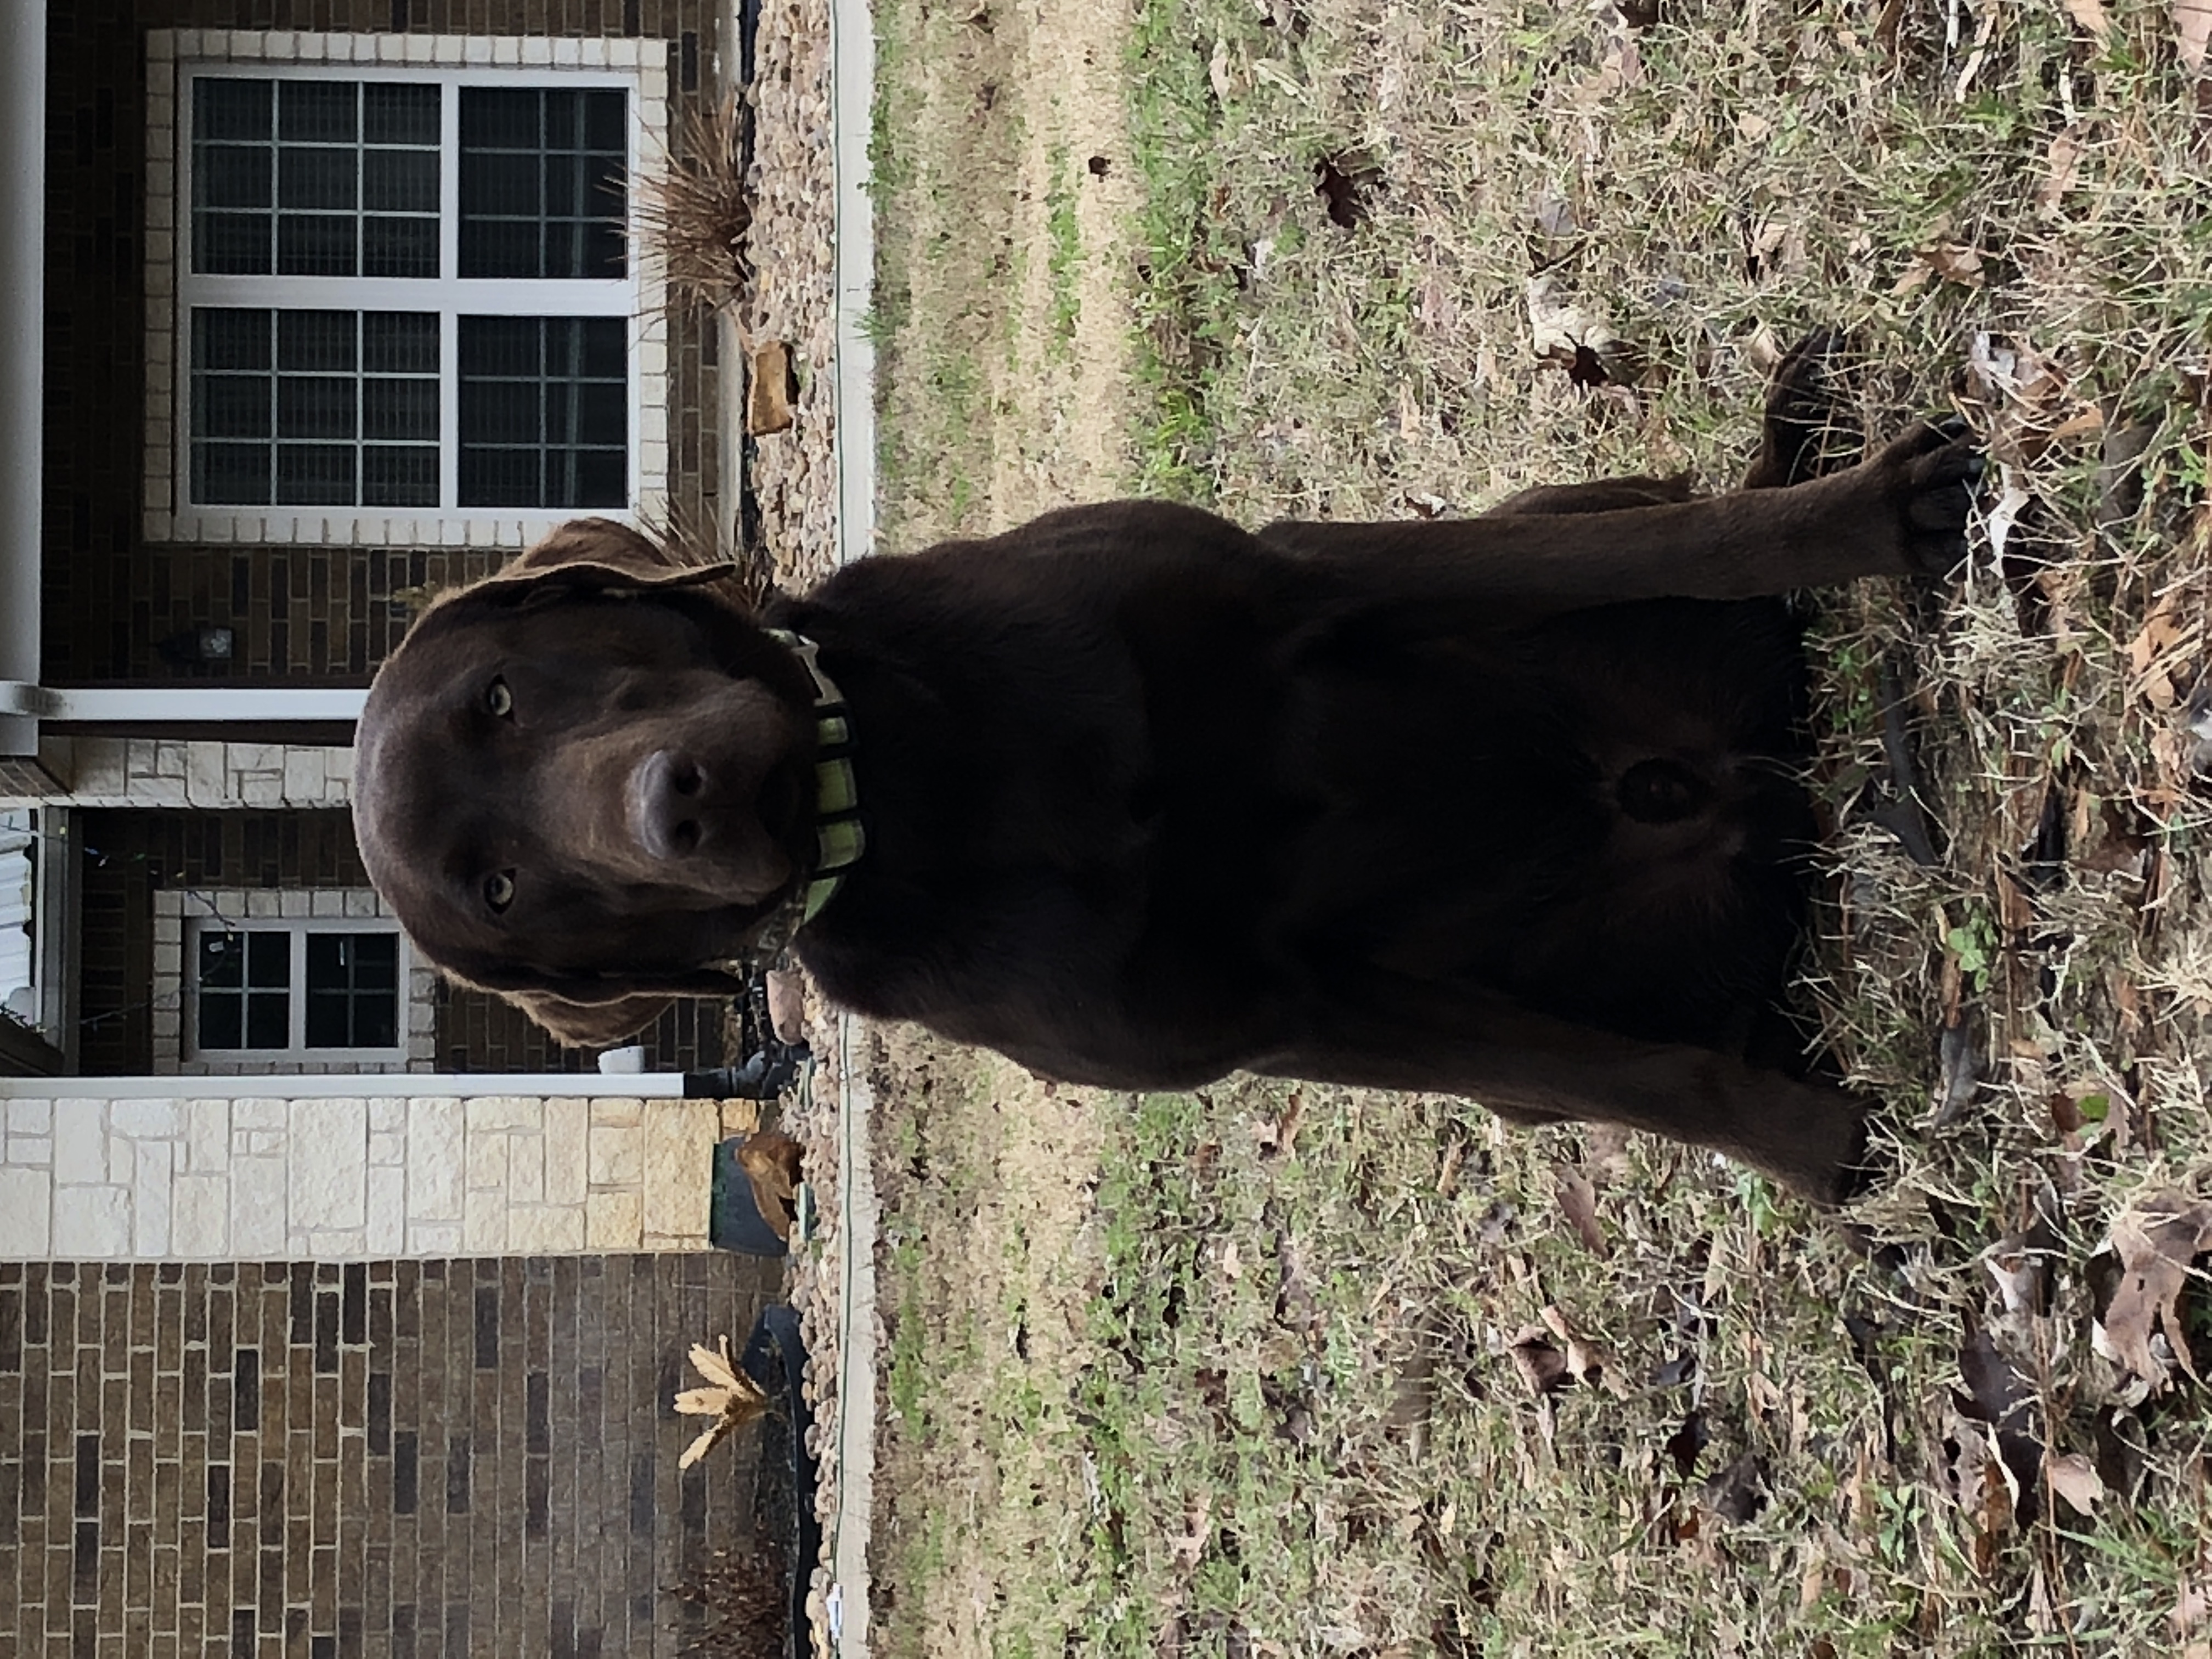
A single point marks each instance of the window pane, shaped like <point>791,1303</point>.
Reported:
<point>310,340</point>
<point>226,107</point>
<point>501,184</point>
<point>499,345</point>
<point>399,180</point>
<point>327,1024</point>
<point>268,959</point>
<point>497,118</point>
<point>393,474</point>
<point>231,244</point>
<point>230,405</point>
<point>299,146</point>
<point>222,960</point>
<point>501,478</point>
<point>317,178</point>
<point>499,248</point>
<point>538,427</point>
<point>393,113</point>
<point>315,406</point>
<point>604,122</point>
<point>231,176</point>
<point>315,245</point>
<point>319,111</point>
<point>231,475</point>
<point>399,409</point>
<point>400,247</point>
<point>501,412</point>
<point>315,474</point>
<point>222,1020</point>
<point>399,342</point>
<point>268,1019</point>
<point>602,479</point>
<point>353,997</point>
<point>375,960</point>
<point>543,190</point>
<point>230,339</point>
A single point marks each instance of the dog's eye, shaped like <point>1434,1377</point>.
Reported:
<point>498,890</point>
<point>499,701</point>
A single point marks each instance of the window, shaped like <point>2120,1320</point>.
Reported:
<point>405,293</point>
<point>253,981</point>
<point>327,989</point>
<point>19,896</point>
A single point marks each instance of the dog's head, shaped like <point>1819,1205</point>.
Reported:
<point>586,780</point>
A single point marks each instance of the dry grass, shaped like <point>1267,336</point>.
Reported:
<point>1305,1423</point>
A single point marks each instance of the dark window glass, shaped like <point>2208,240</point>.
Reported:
<point>544,412</point>
<point>244,989</point>
<point>314,178</point>
<point>295,437</point>
<point>352,990</point>
<point>544,190</point>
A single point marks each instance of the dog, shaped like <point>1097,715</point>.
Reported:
<point>1508,807</point>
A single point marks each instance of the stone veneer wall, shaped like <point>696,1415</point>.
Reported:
<point>350,1179</point>
<point>378,1460</point>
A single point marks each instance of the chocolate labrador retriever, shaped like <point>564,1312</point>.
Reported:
<point>1506,806</point>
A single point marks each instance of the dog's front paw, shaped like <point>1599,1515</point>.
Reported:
<point>1927,481</point>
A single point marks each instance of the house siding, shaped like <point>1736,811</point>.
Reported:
<point>455,1457</point>
<point>129,855</point>
<point>301,615</point>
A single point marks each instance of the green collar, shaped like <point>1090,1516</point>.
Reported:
<point>840,838</point>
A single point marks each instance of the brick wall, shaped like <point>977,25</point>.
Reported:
<point>377,1460</point>
<point>128,855</point>
<point>301,613</point>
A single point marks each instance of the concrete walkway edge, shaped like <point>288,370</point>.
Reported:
<point>852,92</point>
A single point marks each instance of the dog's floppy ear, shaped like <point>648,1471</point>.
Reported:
<point>590,1025</point>
<point>602,556</point>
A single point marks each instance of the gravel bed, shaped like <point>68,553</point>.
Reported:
<point>794,478</point>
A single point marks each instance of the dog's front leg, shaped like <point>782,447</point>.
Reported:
<point>1903,511</point>
<point>1533,1068</point>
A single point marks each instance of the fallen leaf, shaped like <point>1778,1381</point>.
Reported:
<point>1198,1525</point>
<point>1542,1366</point>
<point>2074,1479</point>
<point>1578,1203</point>
<point>1216,70</point>
<point>1952,262</point>
<point>2192,29</point>
<point>2091,15</point>
<point>2156,1240</point>
<point>1738,1493</point>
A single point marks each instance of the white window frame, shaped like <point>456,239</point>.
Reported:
<point>181,916</point>
<point>173,289</point>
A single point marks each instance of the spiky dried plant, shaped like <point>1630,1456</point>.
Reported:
<point>693,211</point>
<point>731,1398</point>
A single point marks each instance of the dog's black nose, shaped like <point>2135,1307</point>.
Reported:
<point>664,804</point>
<point>1661,791</point>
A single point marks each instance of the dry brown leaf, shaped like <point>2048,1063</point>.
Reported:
<point>2156,1241</point>
<point>1952,262</point>
<point>2091,15</point>
<point>2074,1477</point>
<point>2192,29</point>
<point>1541,1365</point>
<point>1578,1203</point>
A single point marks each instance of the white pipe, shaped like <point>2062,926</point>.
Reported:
<point>23,353</point>
<point>139,705</point>
<point>369,1085</point>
